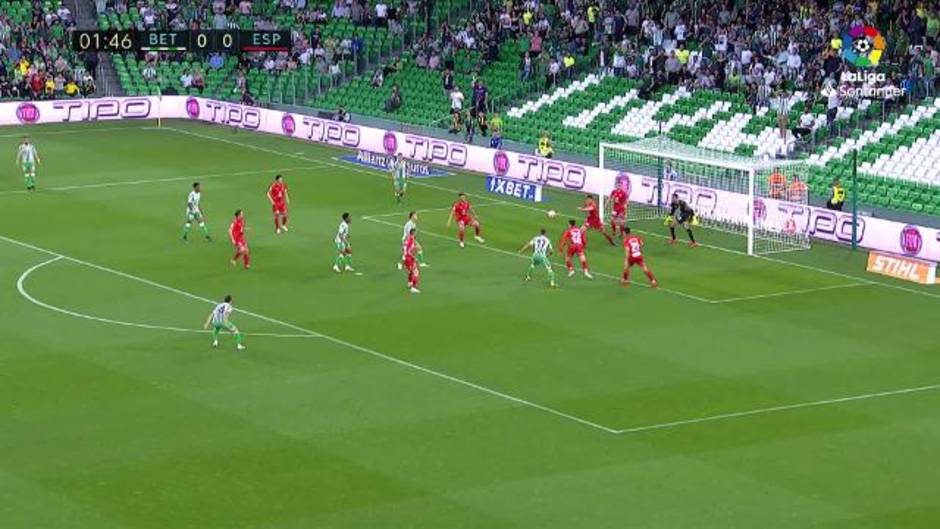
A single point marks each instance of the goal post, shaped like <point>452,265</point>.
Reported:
<point>762,201</point>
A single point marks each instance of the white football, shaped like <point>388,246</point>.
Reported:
<point>551,213</point>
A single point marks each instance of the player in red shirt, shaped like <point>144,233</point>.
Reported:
<point>618,210</point>
<point>572,243</point>
<point>462,212</point>
<point>410,249</point>
<point>633,249</point>
<point>593,220</point>
<point>277,194</point>
<point>236,232</point>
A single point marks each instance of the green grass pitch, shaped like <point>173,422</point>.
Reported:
<point>748,393</point>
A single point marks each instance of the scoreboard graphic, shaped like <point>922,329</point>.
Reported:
<point>200,41</point>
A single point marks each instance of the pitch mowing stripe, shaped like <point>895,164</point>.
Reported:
<point>518,255</point>
<point>100,185</point>
<point>313,334</point>
<point>785,407</point>
<point>21,287</point>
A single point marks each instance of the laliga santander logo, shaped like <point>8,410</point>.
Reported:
<point>911,240</point>
<point>288,125</point>
<point>390,142</point>
<point>863,46</point>
<point>500,163</point>
<point>192,108</point>
<point>27,113</point>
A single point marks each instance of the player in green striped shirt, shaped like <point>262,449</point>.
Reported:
<point>219,321</point>
<point>412,224</point>
<point>27,158</point>
<point>343,260</point>
<point>400,177</point>
<point>194,213</point>
<point>541,250</point>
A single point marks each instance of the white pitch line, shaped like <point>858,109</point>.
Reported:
<point>21,287</point>
<point>328,338</point>
<point>33,132</point>
<point>787,293</point>
<point>154,181</point>
<point>785,407</point>
<point>428,210</point>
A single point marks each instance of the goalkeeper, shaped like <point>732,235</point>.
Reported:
<point>680,213</point>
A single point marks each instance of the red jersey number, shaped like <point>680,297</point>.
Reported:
<point>634,246</point>
<point>575,236</point>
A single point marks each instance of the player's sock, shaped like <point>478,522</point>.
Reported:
<point>476,230</point>
<point>338,262</point>
<point>284,222</point>
<point>186,228</point>
<point>568,264</point>
<point>626,275</point>
<point>672,232</point>
<point>238,337</point>
<point>348,260</point>
<point>651,277</point>
<point>246,258</point>
<point>204,228</point>
<point>584,264</point>
<point>277,223</point>
<point>398,198</point>
<point>691,237</point>
<point>30,182</point>
<point>460,234</point>
<point>528,273</point>
<point>215,334</point>
<point>551,276</point>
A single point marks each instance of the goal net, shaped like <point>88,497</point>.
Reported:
<point>762,201</point>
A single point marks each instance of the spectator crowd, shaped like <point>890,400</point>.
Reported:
<point>36,61</point>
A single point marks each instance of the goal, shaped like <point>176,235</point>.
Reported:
<point>762,203</point>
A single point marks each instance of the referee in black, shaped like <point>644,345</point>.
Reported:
<point>682,214</point>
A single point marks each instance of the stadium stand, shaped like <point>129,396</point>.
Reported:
<point>747,79</point>
<point>331,42</point>
<point>37,62</point>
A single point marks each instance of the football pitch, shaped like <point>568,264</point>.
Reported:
<point>793,391</point>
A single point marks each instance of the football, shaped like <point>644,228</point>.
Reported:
<point>551,213</point>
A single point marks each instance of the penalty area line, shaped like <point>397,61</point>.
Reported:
<point>429,210</point>
<point>782,408</point>
<point>787,293</point>
<point>403,363</point>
